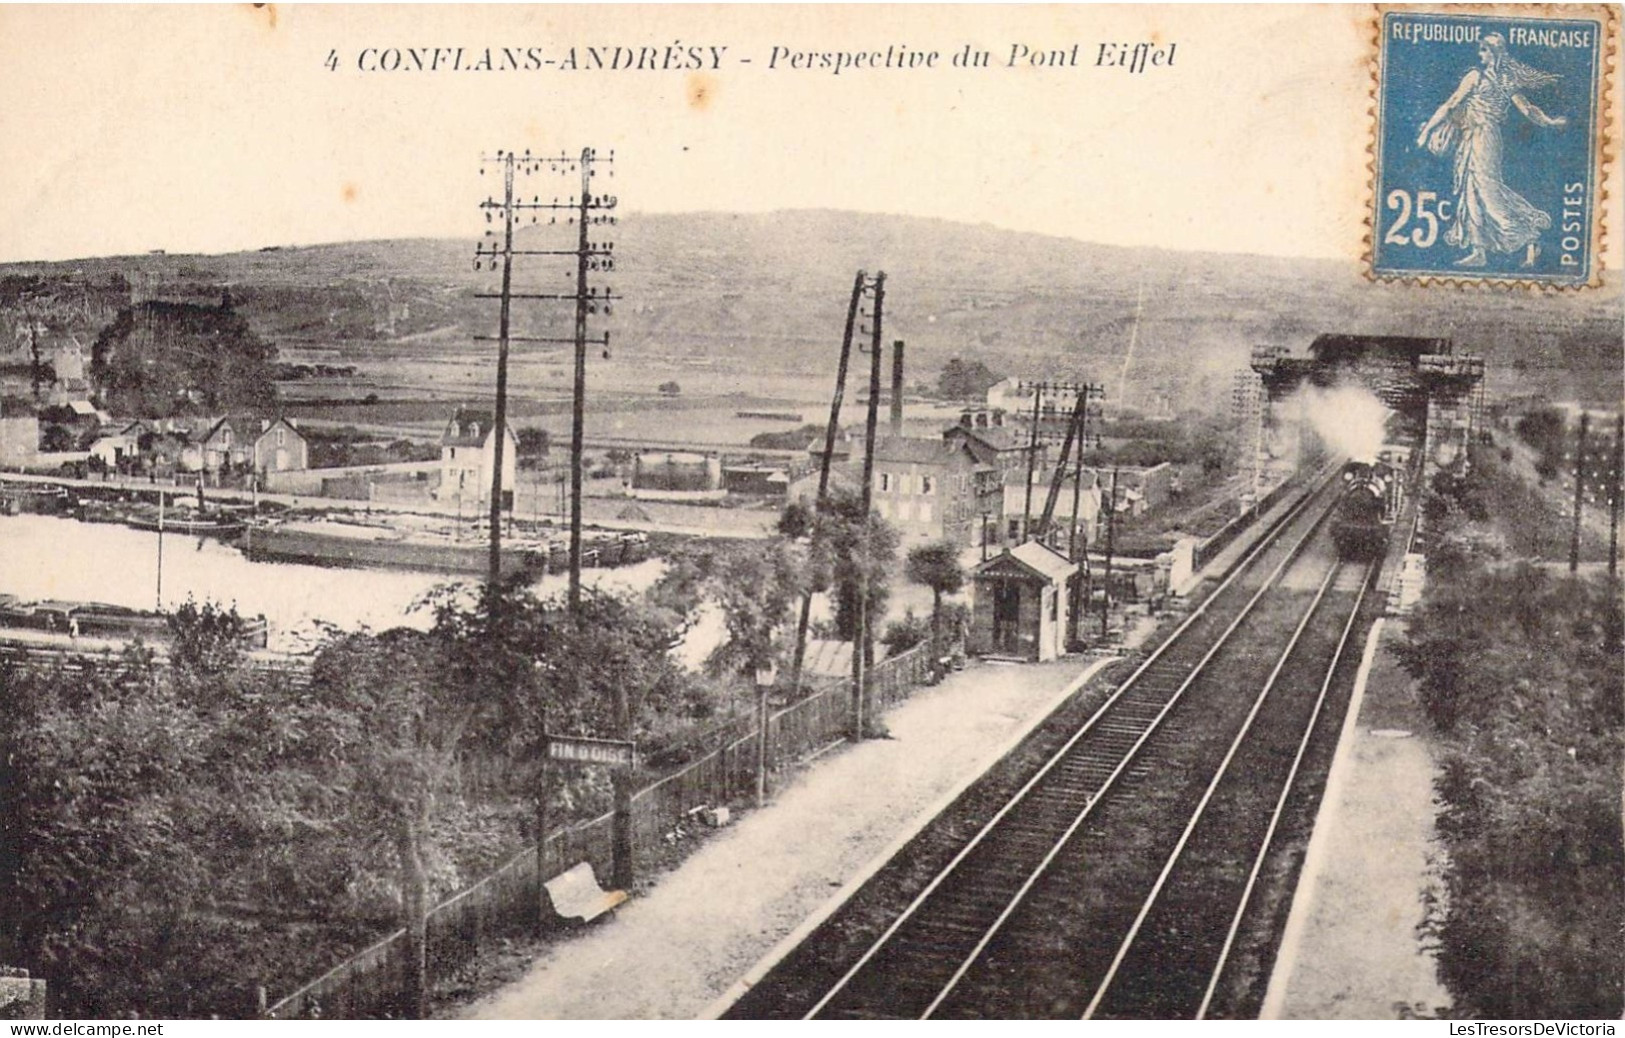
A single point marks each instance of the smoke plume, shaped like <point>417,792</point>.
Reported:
<point>1349,419</point>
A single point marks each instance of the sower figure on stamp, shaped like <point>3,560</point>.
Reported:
<point>1489,214</point>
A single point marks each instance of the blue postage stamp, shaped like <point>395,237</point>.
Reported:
<point>1488,144</point>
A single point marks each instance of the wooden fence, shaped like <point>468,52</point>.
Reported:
<point>507,902</point>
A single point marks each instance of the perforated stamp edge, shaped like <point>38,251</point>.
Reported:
<point>1604,161</point>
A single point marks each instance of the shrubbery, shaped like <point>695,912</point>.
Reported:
<point>790,440</point>
<point>903,635</point>
<point>175,835</point>
<point>1519,672</point>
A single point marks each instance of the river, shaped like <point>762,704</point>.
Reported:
<point>46,557</point>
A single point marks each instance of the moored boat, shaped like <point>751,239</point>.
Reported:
<point>326,543</point>
<point>17,498</point>
<point>205,525</point>
<point>101,620</point>
<point>335,543</point>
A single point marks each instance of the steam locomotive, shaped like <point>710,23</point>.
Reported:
<point>1366,507</point>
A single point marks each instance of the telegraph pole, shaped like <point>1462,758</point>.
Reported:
<point>830,432</point>
<point>159,597</point>
<point>862,641</point>
<point>1072,547</point>
<point>1032,460</point>
<point>582,212</point>
<point>1579,492</point>
<point>1106,573</point>
<point>578,416</point>
<point>1614,494</point>
<point>1076,430</point>
<point>1079,551</point>
<point>500,425</point>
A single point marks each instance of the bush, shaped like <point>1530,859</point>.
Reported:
<point>1518,671</point>
<point>796,521</point>
<point>533,442</point>
<point>791,440</point>
<point>903,635</point>
<point>55,439</point>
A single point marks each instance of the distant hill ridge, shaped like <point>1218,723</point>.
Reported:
<point>769,291</point>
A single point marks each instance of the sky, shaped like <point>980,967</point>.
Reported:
<point>211,129</point>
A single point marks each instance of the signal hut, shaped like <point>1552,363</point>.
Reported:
<point>1019,604</point>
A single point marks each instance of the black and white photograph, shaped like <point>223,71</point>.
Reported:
<point>791,511</point>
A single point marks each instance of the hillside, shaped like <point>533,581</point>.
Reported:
<point>719,293</point>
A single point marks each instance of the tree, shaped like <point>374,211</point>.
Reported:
<point>36,361</point>
<point>163,359</point>
<point>413,724</point>
<point>55,439</point>
<point>670,388</point>
<point>853,551</point>
<point>206,640</point>
<point>796,521</point>
<point>533,442</point>
<point>966,381</point>
<point>91,773</point>
<point>754,583</point>
<point>1546,431</point>
<point>936,565</point>
<point>142,810</point>
<point>1518,672</point>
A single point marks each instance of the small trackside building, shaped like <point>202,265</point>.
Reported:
<point>1019,604</point>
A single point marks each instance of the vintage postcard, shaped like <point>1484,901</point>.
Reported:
<point>781,512</point>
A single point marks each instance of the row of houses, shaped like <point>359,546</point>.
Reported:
<point>227,445</point>
<point>972,487</point>
<point>968,485</point>
<point>232,445</point>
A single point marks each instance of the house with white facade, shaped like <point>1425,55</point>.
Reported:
<point>468,458</point>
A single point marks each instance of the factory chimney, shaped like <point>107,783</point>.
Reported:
<point>897,388</point>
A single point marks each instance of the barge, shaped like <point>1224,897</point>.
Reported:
<point>221,521</point>
<point>330,543</point>
<point>199,525</point>
<point>101,620</point>
<point>18,498</point>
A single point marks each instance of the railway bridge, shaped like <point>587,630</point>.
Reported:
<point>1435,394</point>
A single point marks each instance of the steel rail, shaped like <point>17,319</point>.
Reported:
<point>1061,754</point>
<point>1281,801</point>
<point>1219,776</point>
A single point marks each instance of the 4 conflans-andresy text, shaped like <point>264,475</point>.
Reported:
<point>681,56</point>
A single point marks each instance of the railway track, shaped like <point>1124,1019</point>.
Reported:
<point>1172,959</point>
<point>1055,905</point>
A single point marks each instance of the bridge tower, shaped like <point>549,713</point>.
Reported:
<point>1452,382</point>
<point>1433,393</point>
